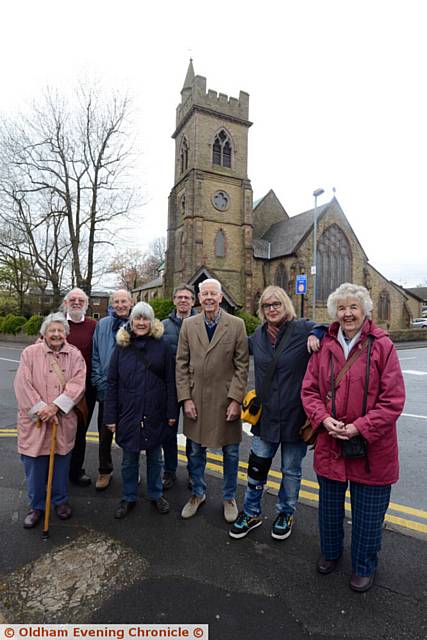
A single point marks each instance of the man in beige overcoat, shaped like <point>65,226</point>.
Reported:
<point>212,365</point>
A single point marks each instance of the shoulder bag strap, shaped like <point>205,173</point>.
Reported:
<point>287,335</point>
<point>336,380</point>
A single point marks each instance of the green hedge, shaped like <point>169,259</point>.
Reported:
<point>251,322</point>
<point>12,324</point>
<point>162,307</point>
<point>32,326</point>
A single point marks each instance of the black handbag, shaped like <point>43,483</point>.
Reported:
<point>356,447</point>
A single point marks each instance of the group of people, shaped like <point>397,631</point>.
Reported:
<point>345,378</point>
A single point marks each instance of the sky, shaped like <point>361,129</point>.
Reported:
<point>338,98</point>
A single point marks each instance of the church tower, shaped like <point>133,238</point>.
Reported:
<point>210,205</point>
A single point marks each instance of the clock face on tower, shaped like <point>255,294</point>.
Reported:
<point>221,200</point>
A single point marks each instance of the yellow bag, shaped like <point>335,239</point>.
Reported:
<point>251,407</point>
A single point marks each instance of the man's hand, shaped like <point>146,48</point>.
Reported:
<point>313,344</point>
<point>233,411</point>
<point>111,427</point>
<point>47,412</point>
<point>171,422</point>
<point>190,410</point>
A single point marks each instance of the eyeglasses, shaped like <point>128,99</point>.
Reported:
<point>271,305</point>
<point>183,298</point>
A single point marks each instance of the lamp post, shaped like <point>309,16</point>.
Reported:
<point>316,194</point>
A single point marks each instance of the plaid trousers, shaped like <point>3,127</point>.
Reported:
<point>369,504</point>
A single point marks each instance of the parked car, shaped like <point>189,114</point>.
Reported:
<point>419,322</point>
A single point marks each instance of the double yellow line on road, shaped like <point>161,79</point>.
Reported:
<point>416,520</point>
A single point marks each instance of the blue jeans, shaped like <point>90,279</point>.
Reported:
<point>36,471</point>
<point>197,465</point>
<point>292,457</point>
<point>130,473</point>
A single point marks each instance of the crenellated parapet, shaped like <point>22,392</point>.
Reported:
<point>195,96</point>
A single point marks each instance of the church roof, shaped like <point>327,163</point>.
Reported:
<point>284,237</point>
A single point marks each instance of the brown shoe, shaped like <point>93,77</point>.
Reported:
<point>32,518</point>
<point>361,583</point>
<point>63,511</point>
<point>326,566</point>
<point>103,481</point>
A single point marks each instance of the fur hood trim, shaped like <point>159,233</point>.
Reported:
<point>123,334</point>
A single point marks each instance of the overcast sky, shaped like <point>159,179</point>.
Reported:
<point>337,97</point>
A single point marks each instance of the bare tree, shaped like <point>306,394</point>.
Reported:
<point>65,177</point>
<point>133,267</point>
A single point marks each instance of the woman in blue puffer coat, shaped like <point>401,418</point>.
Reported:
<point>141,403</point>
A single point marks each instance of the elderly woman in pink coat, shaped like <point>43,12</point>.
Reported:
<point>49,382</point>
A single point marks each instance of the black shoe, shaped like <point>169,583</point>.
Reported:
<point>123,509</point>
<point>162,505</point>
<point>169,479</point>
<point>326,566</point>
<point>81,481</point>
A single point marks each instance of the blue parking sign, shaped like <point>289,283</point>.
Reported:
<point>301,284</point>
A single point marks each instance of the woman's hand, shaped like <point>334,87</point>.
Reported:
<point>111,427</point>
<point>171,422</point>
<point>335,428</point>
<point>351,431</point>
<point>313,344</point>
<point>46,413</point>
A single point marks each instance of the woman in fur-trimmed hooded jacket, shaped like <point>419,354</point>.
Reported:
<point>141,403</point>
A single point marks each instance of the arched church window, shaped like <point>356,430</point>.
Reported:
<point>281,277</point>
<point>184,155</point>
<point>384,306</point>
<point>333,261</point>
<point>222,149</point>
<point>220,244</point>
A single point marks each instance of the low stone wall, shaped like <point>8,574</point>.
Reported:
<point>20,338</point>
<point>409,335</point>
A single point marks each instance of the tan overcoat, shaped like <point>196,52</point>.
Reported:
<point>211,374</point>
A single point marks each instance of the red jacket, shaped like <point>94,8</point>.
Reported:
<point>386,398</point>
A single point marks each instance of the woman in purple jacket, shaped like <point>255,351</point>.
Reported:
<point>355,415</point>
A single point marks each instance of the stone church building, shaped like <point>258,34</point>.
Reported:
<point>215,229</point>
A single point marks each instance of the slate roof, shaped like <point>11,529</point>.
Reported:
<point>285,236</point>
<point>419,292</point>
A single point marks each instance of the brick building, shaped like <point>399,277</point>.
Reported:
<point>216,230</point>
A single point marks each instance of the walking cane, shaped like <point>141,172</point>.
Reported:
<point>54,423</point>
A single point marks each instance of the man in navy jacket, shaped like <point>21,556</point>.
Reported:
<point>183,299</point>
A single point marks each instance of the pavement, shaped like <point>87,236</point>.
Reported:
<point>152,568</point>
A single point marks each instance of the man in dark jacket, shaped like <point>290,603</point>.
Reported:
<point>183,299</point>
<point>104,341</point>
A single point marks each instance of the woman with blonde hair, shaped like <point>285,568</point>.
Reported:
<point>353,393</point>
<point>289,342</point>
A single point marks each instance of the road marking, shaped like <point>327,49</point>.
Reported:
<point>9,360</point>
<point>413,415</point>
<point>214,463</point>
<point>411,358</point>
<point>414,372</point>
